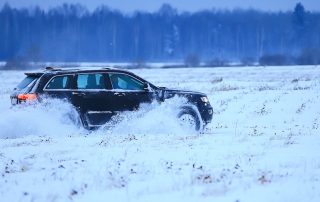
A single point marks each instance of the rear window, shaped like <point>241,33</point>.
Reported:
<point>91,81</point>
<point>27,82</point>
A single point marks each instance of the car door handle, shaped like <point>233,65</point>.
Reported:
<point>77,93</point>
<point>119,94</point>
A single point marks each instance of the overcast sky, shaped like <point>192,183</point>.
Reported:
<point>182,5</point>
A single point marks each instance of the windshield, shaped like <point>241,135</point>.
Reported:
<point>26,82</point>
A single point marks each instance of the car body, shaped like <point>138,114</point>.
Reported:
<point>100,94</point>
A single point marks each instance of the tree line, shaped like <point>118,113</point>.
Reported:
<point>71,33</point>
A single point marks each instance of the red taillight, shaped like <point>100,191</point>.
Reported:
<point>29,97</point>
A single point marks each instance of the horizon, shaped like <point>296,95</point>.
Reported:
<point>152,6</point>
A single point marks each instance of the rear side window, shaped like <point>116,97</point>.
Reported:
<point>59,82</point>
<point>27,82</point>
<point>91,81</point>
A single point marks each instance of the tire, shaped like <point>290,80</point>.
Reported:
<point>190,119</point>
<point>76,119</point>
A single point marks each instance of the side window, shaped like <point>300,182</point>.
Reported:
<point>59,82</point>
<point>125,82</point>
<point>91,81</point>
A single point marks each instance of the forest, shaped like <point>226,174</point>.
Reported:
<point>72,33</point>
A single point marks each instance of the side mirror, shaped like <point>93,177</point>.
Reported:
<point>146,87</point>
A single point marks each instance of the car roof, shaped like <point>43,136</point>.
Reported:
<point>59,70</point>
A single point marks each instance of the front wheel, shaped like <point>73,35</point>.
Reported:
<point>189,120</point>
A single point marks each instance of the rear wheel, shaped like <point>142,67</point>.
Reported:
<point>75,118</point>
<point>189,120</point>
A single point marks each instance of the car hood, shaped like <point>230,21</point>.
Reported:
<point>183,92</point>
<point>169,93</point>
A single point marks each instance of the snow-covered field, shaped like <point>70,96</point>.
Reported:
<point>263,144</point>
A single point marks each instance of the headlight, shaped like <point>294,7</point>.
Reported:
<point>204,99</point>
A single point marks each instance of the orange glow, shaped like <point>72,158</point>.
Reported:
<point>27,96</point>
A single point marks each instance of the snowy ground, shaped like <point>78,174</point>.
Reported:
<point>263,144</point>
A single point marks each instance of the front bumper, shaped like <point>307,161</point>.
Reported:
<point>206,113</point>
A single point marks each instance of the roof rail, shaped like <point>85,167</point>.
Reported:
<point>52,69</point>
<point>106,68</point>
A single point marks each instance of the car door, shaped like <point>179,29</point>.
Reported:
<point>93,98</point>
<point>129,92</point>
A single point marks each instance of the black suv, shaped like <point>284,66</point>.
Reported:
<point>100,94</point>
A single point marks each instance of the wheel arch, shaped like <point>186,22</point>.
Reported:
<point>191,109</point>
